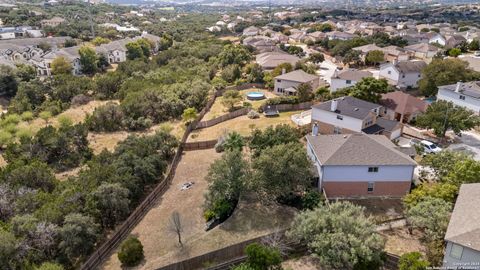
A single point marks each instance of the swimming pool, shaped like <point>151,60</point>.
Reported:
<point>255,95</point>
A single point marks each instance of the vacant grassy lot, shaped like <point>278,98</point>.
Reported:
<point>161,246</point>
<point>218,109</point>
<point>242,125</point>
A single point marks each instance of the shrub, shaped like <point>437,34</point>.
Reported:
<point>247,104</point>
<point>208,215</point>
<point>140,123</point>
<point>253,114</point>
<point>412,261</point>
<point>261,257</point>
<point>311,199</point>
<point>80,100</point>
<point>108,117</point>
<point>27,116</point>
<point>219,146</point>
<point>282,100</point>
<point>131,252</point>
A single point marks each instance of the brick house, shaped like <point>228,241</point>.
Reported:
<point>360,165</point>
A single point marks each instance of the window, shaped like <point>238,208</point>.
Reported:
<point>279,80</point>
<point>456,251</point>
<point>348,82</point>
<point>372,169</point>
<point>403,76</point>
<point>389,72</point>
<point>370,187</point>
<point>419,75</point>
<point>462,97</point>
<point>339,117</point>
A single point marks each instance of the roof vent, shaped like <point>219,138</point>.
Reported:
<point>356,109</point>
<point>344,136</point>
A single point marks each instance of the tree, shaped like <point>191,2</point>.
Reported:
<point>260,257</point>
<point>454,52</point>
<point>176,226</point>
<point>442,163</point>
<point>474,45</point>
<point>60,65</point>
<point>79,234</point>
<point>443,72</point>
<point>317,58</point>
<point>108,84</point>
<point>234,141</point>
<point>430,215</point>
<point>109,203</point>
<point>464,171</point>
<point>108,117</point>
<point>254,73</point>
<point>350,57</point>
<point>444,191</point>
<point>230,98</point>
<point>165,42</point>
<point>304,92</point>
<point>131,252</point>
<point>412,261</point>
<point>134,51</point>
<point>375,57</point>
<point>231,73</point>
<point>227,180</point>
<point>26,72</point>
<point>8,81</point>
<point>35,175</point>
<point>88,60</point>
<point>45,115</point>
<point>369,89</point>
<point>442,116</point>
<point>281,171</point>
<point>271,136</point>
<point>7,249</point>
<point>189,115</point>
<point>97,41</point>
<point>234,54</point>
<point>339,235</point>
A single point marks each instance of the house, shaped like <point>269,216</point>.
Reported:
<point>462,94</point>
<point>43,63</point>
<point>251,31</point>
<point>454,40</point>
<point>422,50</point>
<point>434,37</point>
<point>315,36</point>
<point>348,115</point>
<point>53,22</point>
<point>403,74</point>
<point>360,165</point>
<point>391,53</point>
<point>287,83</point>
<point>402,107</point>
<point>340,35</point>
<point>463,233</point>
<point>270,60</point>
<point>261,44</point>
<point>347,78</point>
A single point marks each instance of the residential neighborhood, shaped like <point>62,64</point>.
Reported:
<point>240,135</point>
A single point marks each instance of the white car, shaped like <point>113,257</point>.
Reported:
<point>476,53</point>
<point>430,147</point>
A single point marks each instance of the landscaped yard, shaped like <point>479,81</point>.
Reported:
<point>242,125</point>
<point>161,246</point>
<point>218,109</point>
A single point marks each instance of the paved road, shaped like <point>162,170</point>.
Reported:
<point>470,144</point>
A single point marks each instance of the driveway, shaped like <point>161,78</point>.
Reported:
<point>469,143</point>
<point>327,68</point>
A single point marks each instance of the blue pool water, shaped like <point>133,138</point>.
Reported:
<point>255,95</point>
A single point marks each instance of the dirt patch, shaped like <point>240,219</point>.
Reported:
<point>3,163</point>
<point>242,125</point>
<point>66,174</point>
<point>399,241</point>
<point>302,263</point>
<point>382,209</point>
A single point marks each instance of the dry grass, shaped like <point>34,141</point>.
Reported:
<point>302,263</point>
<point>218,109</point>
<point>242,125</point>
<point>160,246</point>
<point>230,38</point>
<point>62,176</point>
<point>3,163</point>
<point>399,241</point>
<point>381,209</point>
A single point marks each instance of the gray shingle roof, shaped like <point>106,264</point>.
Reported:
<point>349,106</point>
<point>354,75</point>
<point>464,226</point>
<point>410,66</point>
<point>297,76</point>
<point>357,150</point>
<point>471,89</point>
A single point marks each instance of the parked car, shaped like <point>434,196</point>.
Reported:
<point>430,147</point>
<point>187,185</point>
<point>476,53</point>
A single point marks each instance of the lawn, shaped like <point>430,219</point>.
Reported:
<point>160,245</point>
<point>218,109</point>
<point>242,125</point>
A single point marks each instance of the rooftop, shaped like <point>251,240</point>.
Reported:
<point>464,225</point>
<point>297,76</point>
<point>401,102</point>
<point>471,89</point>
<point>351,74</point>
<point>357,150</point>
<point>349,106</point>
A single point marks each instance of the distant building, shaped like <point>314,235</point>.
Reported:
<point>466,95</point>
<point>463,233</point>
<point>347,78</point>
<point>422,50</point>
<point>402,107</point>
<point>270,60</point>
<point>53,22</point>
<point>403,74</point>
<point>340,35</point>
<point>251,31</point>
<point>286,84</point>
<point>360,165</point>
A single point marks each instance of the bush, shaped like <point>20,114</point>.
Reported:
<point>219,146</point>
<point>27,116</point>
<point>131,252</point>
<point>223,209</point>
<point>140,123</point>
<point>108,117</point>
<point>311,199</point>
<point>80,100</point>
<point>282,100</point>
<point>208,215</point>
<point>412,261</point>
<point>253,114</point>
<point>261,257</point>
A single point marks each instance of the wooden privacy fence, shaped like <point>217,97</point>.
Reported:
<point>226,117</point>
<point>291,107</point>
<point>104,250</point>
<point>191,146</point>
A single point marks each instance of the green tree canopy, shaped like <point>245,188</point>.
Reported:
<point>88,60</point>
<point>442,116</point>
<point>60,65</point>
<point>131,252</point>
<point>375,57</point>
<point>369,89</point>
<point>412,261</point>
<point>339,235</point>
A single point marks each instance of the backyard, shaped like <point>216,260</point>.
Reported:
<point>160,244</point>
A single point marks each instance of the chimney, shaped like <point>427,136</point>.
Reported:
<point>457,88</point>
<point>315,129</point>
<point>333,105</point>
<point>284,71</point>
<point>335,73</point>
